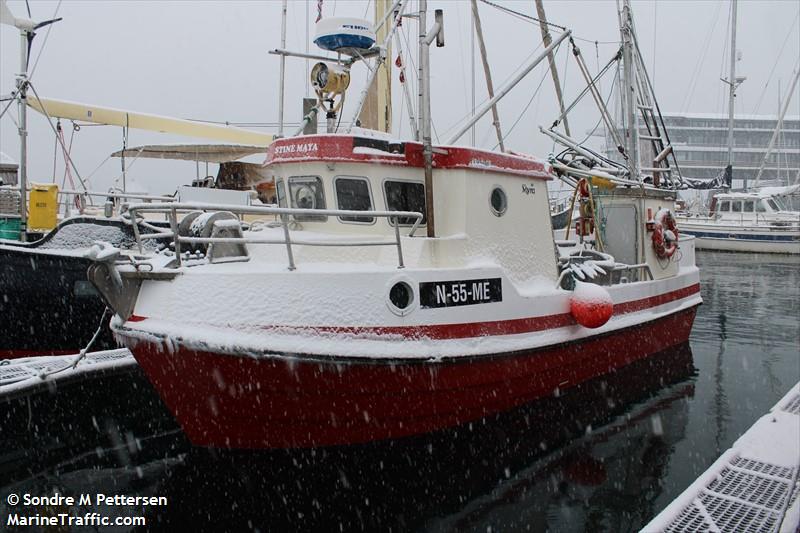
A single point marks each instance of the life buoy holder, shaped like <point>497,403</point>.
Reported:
<point>665,248</point>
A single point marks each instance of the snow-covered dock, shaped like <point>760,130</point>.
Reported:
<point>23,376</point>
<point>753,486</point>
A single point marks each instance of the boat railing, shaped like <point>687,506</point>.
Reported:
<point>114,200</point>
<point>769,220</point>
<point>284,217</point>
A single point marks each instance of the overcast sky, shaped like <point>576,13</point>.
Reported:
<point>208,60</point>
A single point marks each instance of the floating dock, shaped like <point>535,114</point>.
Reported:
<point>27,375</point>
<point>753,486</point>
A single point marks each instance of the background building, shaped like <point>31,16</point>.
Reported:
<point>701,146</point>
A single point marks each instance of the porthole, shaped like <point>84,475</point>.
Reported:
<point>498,201</point>
<point>400,299</point>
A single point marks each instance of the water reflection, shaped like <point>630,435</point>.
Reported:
<point>592,456</point>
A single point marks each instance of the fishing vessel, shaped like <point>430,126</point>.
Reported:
<point>397,288</point>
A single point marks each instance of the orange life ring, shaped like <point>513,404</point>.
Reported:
<point>663,249</point>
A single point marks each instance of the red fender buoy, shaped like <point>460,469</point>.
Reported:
<point>590,305</point>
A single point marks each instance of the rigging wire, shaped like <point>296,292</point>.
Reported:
<point>687,99</point>
<point>44,43</point>
<point>534,20</point>
<point>522,113</point>
<point>504,82</point>
<point>563,86</point>
<point>522,16</point>
<point>655,34</point>
<point>777,57</point>
<point>608,99</point>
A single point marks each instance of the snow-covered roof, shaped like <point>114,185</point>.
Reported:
<point>725,116</point>
<point>779,191</point>
<point>6,160</point>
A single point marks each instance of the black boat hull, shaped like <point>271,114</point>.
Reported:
<point>47,304</point>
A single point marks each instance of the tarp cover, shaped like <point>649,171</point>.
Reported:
<point>208,153</point>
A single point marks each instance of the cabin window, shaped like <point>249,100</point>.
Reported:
<point>498,201</point>
<point>736,206</point>
<point>405,196</point>
<point>280,189</point>
<point>724,206</point>
<point>306,192</point>
<point>760,207</point>
<point>353,194</point>
<point>771,203</point>
<point>748,206</point>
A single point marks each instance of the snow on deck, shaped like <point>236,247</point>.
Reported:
<point>18,375</point>
<point>752,487</point>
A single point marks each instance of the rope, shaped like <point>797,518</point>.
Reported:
<point>55,151</point>
<point>66,151</point>
<point>319,11</point>
<point>83,352</point>
<point>50,122</point>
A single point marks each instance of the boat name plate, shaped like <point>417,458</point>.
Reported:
<point>435,294</point>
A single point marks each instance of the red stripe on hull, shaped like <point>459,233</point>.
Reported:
<point>230,401</point>
<point>497,327</point>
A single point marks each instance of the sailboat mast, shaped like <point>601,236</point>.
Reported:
<point>732,92</point>
<point>778,127</point>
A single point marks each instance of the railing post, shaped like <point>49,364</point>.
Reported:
<point>173,222</point>
<point>136,230</point>
<point>287,239</point>
<point>399,244</point>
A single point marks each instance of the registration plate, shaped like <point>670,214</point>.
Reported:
<point>460,292</point>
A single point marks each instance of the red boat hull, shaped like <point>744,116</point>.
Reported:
<point>229,401</point>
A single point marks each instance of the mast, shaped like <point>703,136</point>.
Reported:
<point>421,52</point>
<point>778,127</point>
<point>283,69</point>
<point>22,88</point>
<point>547,39</point>
<point>632,135</point>
<point>731,95</point>
<point>425,40</point>
<point>376,113</point>
<point>487,72</point>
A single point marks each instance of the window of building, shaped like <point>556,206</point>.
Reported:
<point>405,196</point>
<point>306,192</point>
<point>353,194</point>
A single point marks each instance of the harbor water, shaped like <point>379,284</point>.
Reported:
<point>606,456</point>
